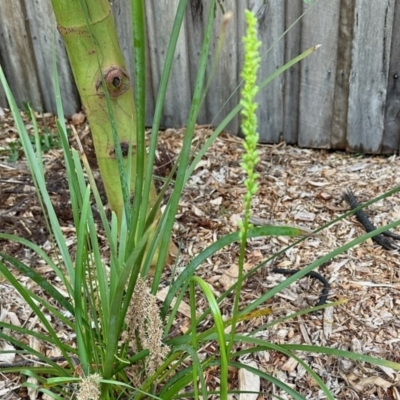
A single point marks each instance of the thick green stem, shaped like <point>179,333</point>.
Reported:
<point>88,30</point>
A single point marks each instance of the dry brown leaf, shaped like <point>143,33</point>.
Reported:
<point>183,307</point>
<point>229,276</point>
<point>6,352</point>
<point>361,384</point>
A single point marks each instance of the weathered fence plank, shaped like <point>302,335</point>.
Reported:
<point>369,74</point>
<point>15,45</point>
<point>291,91</point>
<point>338,138</point>
<point>222,76</point>
<point>194,35</point>
<point>122,15</point>
<point>45,40</point>
<point>224,91</point>
<point>3,99</point>
<point>271,25</point>
<point>319,26</point>
<point>391,137</point>
<point>160,18</point>
<point>344,96</point>
<point>27,39</point>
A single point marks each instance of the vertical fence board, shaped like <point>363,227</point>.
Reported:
<point>45,40</point>
<point>222,94</point>
<point>291,92</point>
<point>391,134</point>
<point>320,26</point>
<point>368,79</point>
<point>196,13</point>
<point>271,23</point>
<point>160,17</point>
<point>343,67</point>
<point>3,99</point>
<point>122,16</point>
<point>18,60</point>
<point>221,74</point>
<point>270,18</point>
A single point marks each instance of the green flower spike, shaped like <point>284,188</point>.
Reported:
<point>249,119</point>
<point>250,157</point>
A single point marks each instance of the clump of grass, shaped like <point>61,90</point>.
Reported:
<point>48,140</point>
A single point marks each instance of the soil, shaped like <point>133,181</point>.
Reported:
<point>297,187</point>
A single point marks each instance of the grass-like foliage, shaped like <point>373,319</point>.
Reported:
<point>48,141</point>
<point>123,345</point>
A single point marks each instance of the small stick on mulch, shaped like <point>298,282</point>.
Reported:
<point>351,199</point>
<point>315,275</point>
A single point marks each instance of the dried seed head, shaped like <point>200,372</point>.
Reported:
<point>89,388</point>
<point>143,316</point>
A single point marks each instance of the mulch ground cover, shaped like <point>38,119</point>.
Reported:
<point>297,187</point>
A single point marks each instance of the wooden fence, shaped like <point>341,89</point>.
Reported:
<point>344,96</point>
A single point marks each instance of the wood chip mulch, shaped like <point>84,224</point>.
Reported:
<point>297,187</point>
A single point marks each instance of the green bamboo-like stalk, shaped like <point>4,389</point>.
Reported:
<point>88,30</point>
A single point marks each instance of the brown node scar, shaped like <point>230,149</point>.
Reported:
<point>117,82</point>
<point>124,150</point>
